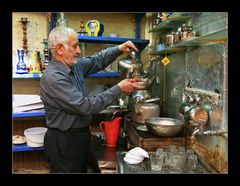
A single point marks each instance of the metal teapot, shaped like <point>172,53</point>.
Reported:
<point>126,66</point>
<point>193,115</point>
<point>144,111</point>
<point>142,94</point>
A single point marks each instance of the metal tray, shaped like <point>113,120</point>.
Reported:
<point>144,168</point>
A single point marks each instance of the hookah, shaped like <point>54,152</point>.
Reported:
<point>24,22</point>
<point>62,21</point>
<point>21,66</point>
<point>83,33</point>
<point>46,54</point>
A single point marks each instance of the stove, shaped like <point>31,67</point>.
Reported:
<point>149,141</point>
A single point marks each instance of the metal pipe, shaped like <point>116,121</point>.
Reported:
<point>220,132</point>
<point>225,88</point>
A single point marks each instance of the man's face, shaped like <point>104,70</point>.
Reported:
<point>71,53</point>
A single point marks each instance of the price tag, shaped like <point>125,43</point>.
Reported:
<point>165,61</point>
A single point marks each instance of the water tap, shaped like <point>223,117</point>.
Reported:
<point>199,132</point>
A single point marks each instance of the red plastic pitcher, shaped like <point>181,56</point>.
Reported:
<point>111,131</point>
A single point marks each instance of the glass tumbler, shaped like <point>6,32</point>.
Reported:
<point>156,162</point>
<point>192,162</point>
<point>161,152</point>
<point>190,152</point>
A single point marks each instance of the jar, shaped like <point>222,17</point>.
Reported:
<point>170,39</point>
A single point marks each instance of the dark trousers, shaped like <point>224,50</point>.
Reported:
<point>69,151</point>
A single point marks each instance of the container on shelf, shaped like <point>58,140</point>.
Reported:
<point>21,65</point>
<point>35,136</point>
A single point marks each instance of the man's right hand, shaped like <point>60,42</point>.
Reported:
<point>128,86</point>
<point>125,47</point>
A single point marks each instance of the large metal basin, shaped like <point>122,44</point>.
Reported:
<point>164,126</point>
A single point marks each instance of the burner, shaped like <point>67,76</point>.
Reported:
<point>149,141</point>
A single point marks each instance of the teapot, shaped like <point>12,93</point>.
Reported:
<point>127,66</point>
<point>193,115</point>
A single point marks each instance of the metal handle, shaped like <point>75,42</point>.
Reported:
<point>158,73</point>
<point>101,128</point>
<point>152,100</point>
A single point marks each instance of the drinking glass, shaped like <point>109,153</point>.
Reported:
<point>192,162</point>
<point>156,162</point>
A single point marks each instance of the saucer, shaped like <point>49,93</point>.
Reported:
<point>17,140</point>
<point>142,128</point>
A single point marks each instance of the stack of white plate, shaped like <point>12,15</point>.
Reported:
<point>135,155</point>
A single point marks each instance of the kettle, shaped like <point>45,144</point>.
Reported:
<point>128,65</point>
<point>126,68</point>
<point>145,108</point>
<point>144,111</point>
<point>193,115</point>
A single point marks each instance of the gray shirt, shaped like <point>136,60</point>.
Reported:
<point>64,94</point>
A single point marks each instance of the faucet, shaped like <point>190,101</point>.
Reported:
<point>200,132</point>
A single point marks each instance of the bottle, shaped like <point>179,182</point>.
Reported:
<point>62,21</point>
<point>46,54</point>
<point>39,60</point>
<point>34,65</point>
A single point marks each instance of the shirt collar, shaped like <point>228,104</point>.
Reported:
<point>60,65</point>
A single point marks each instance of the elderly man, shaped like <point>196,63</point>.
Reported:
<point>68,107</point>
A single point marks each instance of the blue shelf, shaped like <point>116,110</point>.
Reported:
<point>27,76</point>
<point>24,147</point>
<point>105,74</point>
<point>28,114</point>
<point>38,76</point>
<point>140,43</point>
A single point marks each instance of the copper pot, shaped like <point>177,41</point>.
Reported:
<point>196,116</point>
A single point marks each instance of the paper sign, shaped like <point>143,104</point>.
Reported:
<point>165,61</point>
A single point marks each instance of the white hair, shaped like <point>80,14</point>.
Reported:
<point>59,35</point>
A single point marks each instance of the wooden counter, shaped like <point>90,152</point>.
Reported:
<point>151,142</point>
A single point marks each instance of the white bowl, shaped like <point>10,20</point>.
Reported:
<point>131,161</point>
<point>140,152</point>
<point>35,136</point>
<point>136,153</point>
<point>134,157</point>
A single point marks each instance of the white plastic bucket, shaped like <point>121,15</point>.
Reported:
<point>35,136</point>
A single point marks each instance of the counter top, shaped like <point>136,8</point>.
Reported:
<point>110,160</point>
<point>106,156</point>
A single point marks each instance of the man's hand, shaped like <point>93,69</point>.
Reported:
<point>128,86</point>
<point>125,47</point>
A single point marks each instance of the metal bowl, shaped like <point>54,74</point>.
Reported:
<point>164,126</point>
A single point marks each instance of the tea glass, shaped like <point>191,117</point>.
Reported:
<point>156,162</point>
<point>192,162</point>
